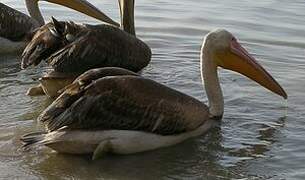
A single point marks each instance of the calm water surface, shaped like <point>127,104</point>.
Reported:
<point>261,137</point>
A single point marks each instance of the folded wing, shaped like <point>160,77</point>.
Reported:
<point>15,25</point>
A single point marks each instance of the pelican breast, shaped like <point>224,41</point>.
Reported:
<point>110,141</point>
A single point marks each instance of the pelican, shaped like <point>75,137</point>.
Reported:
<point>17,28</point>
<point>127,114</point>
<point>71,49</point>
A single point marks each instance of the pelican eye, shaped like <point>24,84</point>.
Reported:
<point>70,38</point>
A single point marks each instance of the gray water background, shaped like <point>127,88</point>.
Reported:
<point>261,136</point>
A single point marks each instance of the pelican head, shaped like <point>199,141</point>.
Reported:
<point>227,53</point>
<point>78,5</point>
<point>45,41</point>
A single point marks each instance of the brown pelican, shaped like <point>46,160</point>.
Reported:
<point>71,49</point>
<point>127,113</point>
<point>16,28</point>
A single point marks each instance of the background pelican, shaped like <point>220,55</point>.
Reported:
<point>16,27</point>
<point>128,113</point>
<point>72,49</point>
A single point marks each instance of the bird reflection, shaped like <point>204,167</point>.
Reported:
<point>202,157</point>
<point>198,156</point>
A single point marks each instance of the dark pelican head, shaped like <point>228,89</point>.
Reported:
<point>47,40</point>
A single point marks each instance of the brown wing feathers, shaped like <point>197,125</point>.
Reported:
<point>84,47</point>
<point>104,104</point>
<point>15,25</point>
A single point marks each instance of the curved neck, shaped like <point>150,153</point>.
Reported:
<point>211,83</point>
<point>127,16</point>
<point>33,9</point>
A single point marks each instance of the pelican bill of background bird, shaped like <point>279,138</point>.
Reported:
<point>72,49</point>
<point>16,28</point>
<point>128,114</point>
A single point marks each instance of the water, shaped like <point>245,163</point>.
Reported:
<point>261,136</point>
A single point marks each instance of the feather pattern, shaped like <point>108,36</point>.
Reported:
<point>11,22</point>
<point>101,46</point>
<point>125,103</point>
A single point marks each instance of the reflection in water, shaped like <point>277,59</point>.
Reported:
<point>202,157</point>
<point>266,137</point>
<point>186,160</point>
